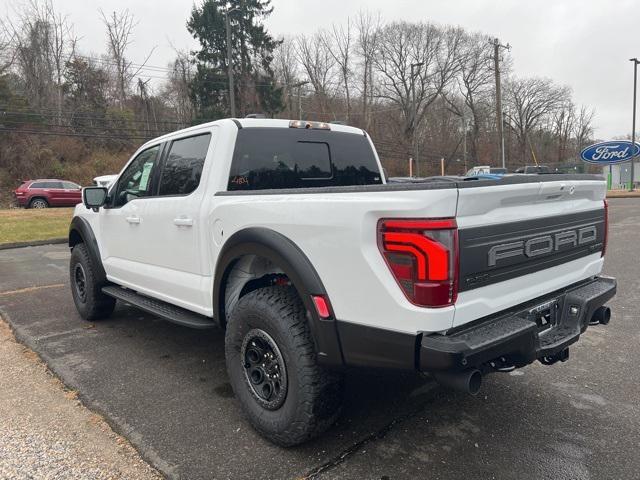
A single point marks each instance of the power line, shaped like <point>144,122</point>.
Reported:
<point>155,132</point>
<point>82,116</point>
<point>89,135</point>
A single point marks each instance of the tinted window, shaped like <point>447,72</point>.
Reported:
<point>52,184</point>
<point>312,160</point>
<point>137,180</point>
<point>267,158</point>
<point>37,185</point>
<point>183,167</point>
<point>70,185</point>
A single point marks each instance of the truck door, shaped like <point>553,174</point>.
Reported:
<point>152,233</point>
<point>125,248</point>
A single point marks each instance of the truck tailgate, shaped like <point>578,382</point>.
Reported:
<point>524,240</point>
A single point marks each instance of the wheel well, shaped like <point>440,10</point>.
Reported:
<point>38,198</point>
<point>75,238</point>
<point>246,274</point>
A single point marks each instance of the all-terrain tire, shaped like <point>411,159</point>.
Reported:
<point>90,302</point>
<point>313,395</point>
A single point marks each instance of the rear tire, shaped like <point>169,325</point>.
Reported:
<point>38,203</point>
<point>87,294</point>
<point>272,366</point>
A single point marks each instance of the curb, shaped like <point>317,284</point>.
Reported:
<point>35,243</point>
<point>65,378</point>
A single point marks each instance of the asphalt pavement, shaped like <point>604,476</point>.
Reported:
<point>165,388</point>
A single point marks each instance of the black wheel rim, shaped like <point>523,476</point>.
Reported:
<point>80,282</point>
<point>264,369</point>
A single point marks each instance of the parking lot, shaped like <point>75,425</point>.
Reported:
<point>164,387</point>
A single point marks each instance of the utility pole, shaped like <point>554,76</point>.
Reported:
<point>414,116</point>
<point>633,129</point>
<point>496,65</point>
<point>299,86</point>
<point>232,96</point>
<point>464,142</point>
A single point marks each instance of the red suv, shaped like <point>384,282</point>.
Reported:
<point>48,193</point>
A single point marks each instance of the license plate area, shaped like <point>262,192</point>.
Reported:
<point>545,315</point>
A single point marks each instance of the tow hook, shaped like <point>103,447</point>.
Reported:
<point>561,356</point>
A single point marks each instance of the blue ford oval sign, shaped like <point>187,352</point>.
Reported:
<point>606,153</point>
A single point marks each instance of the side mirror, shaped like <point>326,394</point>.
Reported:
<point>94,197</point>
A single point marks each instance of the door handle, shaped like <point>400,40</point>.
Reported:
<point>133,219</point>
<point>183,222</point>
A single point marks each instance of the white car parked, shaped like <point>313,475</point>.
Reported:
<point>104,180</point>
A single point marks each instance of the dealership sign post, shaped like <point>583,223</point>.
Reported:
<point>609,153</point>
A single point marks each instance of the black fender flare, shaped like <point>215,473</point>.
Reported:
<point>284,253</point>
<point>80,231</point>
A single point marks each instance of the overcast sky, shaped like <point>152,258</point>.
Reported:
<point>585,44</point>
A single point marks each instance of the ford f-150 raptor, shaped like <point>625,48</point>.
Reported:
<point>287,235</point>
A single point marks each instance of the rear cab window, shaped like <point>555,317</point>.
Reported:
<point>273,158</point>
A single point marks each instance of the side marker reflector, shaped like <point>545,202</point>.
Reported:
<point>322,306</point>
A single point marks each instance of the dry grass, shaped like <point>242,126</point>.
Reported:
<point>20,225</point>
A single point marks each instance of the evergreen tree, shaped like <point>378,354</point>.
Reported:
<point>252,55</point>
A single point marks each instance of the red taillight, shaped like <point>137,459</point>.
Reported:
<point>606,227</point>
<point>423,258</point>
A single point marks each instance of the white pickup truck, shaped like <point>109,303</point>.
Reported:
<point>287,235</point>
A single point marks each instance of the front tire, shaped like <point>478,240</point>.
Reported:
<point>87,294</point>
<point>272,366</point>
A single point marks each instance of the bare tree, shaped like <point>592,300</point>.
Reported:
<point>368,27</point>
<point>432,50</point>
<point>43,43</point>
<point>176,91</point>
<point>7,51</point>
<point>120,27</point>
<point>339,44</point>
<point>531,101</point>
<point>563,122</point>
<point>473,86</point>
<point>62,47</point>
<point>583,127</point>
<point>318,64</point>
<point>286,69</point>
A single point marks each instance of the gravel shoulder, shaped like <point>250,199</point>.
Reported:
<point>45,432</point>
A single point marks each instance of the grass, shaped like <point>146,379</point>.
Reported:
<point>20,225</point>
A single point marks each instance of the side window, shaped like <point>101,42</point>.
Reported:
<point>183,166</point>
<point>37,185</point>
<point>53,185</point>
<point>137,180</point>
<point>71,186</point>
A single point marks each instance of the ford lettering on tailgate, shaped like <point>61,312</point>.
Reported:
<point>492,254</point>
<point>542,245</point>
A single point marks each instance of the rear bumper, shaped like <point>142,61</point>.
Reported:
<point>513,336</point>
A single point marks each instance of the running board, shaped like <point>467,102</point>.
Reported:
<point>159,308</point>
